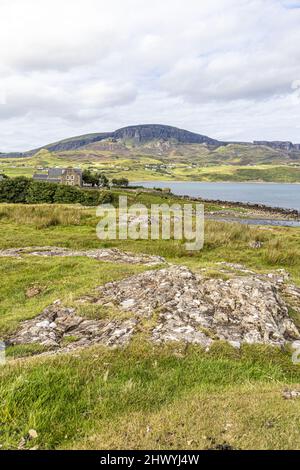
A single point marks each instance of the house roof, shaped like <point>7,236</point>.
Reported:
<point>55,172</point>
<point>38,176</point>
<point>43,177</point>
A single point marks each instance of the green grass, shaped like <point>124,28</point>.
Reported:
<point>151,398</point>
<point>223,241</point>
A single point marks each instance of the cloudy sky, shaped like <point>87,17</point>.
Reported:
<point>226,68</point>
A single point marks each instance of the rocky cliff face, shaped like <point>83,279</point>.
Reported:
<point>278,144</point>
<point>145,133</point>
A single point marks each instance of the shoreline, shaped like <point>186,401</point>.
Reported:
<point>213,182</point>
<point>294,214</point>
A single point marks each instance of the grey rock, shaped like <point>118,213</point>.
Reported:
<point>291,394</point>
<point>183,306</point>
<point>109,255</point>
<point>255,244</point>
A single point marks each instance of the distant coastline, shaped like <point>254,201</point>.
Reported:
<point>285,204</point>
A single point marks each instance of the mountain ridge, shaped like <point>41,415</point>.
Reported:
<point>142,133</point>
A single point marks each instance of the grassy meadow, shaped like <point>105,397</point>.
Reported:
<point>193,163</point>
<point>168,397</point>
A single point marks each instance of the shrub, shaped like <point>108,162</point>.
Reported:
<point>67,194</point>
<point>121,182</point>
<point>40,192</point>
<point>14,190</point>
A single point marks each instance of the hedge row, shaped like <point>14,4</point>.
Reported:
<point>26,191</point>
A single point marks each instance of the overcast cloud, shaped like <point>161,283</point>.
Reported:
<point>226,68</point>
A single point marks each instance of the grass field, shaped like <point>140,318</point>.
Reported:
<point>221,165</point>
<point>169,397</point>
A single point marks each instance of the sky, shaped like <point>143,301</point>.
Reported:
<point>229,69</point>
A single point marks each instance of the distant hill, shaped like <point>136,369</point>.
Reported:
<point>161,140</point>
<point>139,134</point>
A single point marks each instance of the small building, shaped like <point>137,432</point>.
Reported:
<point>69,176</point>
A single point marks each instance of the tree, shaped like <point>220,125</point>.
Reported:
<point>103,181</point>
<point>120,182</point>
<point>89,178</point>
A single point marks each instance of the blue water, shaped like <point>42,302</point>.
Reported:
<point>286,196</point>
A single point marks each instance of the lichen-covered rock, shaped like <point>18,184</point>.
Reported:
<point>182,306</point>
<point>58,323</point>
<point>110,255</point>
<point>192,308</point>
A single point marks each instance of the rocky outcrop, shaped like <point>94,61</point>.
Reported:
<point>181,306</point>
<point>147,132</point>
<point>60,327</point>
<point>278,144</point>
<point>192,308</point>
<point>109,255</point>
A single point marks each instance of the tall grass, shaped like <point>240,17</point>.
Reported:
<point>43,215</point>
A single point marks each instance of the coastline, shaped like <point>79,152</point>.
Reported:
<point>213,182</point>
<point>292,213</point>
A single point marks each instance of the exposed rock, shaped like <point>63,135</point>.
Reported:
<point>229,267</point>
<point>291,394</point>
<point>110,255</point>
<point>32,434</point>
<point>33,291</point>
<point>58,322</point>
<point>255,244</point>
<point>278,144</point>
<point>182,306</point>
<point>197,310</point>
<point>148,132</point>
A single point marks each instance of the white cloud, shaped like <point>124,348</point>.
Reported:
<point>226,68</point>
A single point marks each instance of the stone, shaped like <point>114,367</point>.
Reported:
<point>291,394</point>
<point>235,344</point>
<point>57,321</point>
<point>127,304</point>
<point>32,434</point>
<point>192,308</point>
<point>255,244</point>
<point>33,291</point>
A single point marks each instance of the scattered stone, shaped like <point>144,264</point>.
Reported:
<point>33,291</point>
<point>255,244</point>
<point>22,443</point>
<point>235,267</point>
<point>32,434</point>
<point>291,394</point>
<point>109,255</point>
